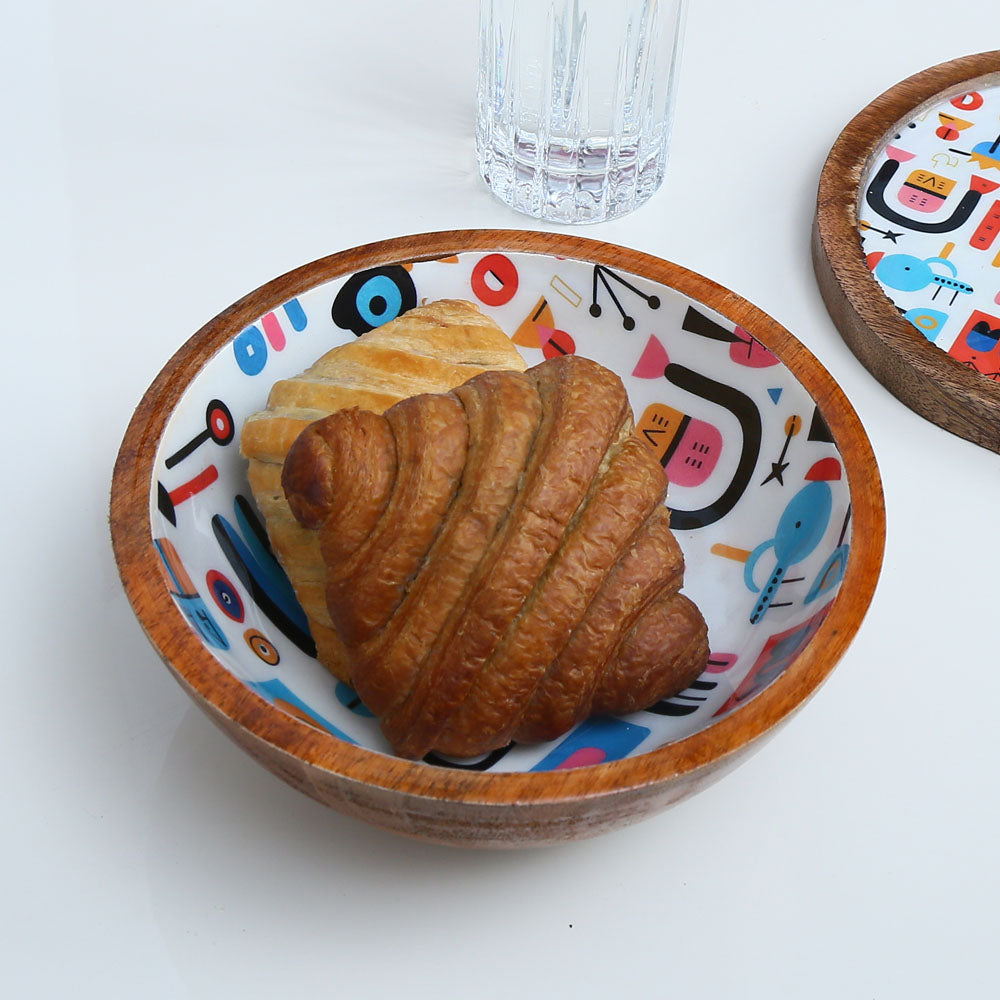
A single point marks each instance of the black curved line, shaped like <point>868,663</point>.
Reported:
<point>256,526</point>
<point>480,765</point>
<point>258,591</point>
<point>671,709</point>
<point>745,410</point>
<point>668,706</point>
<point>875,196</point>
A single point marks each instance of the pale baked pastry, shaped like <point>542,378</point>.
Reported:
<point>429,349</point>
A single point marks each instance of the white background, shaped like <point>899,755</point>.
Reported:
<point>162,159</point>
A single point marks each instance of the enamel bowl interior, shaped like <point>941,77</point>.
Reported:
<point>760,501</point>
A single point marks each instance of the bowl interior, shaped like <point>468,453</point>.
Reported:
<point>760,499</point>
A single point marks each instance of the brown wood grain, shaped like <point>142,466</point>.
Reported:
<point>463,807</point>
<point>918,373</point>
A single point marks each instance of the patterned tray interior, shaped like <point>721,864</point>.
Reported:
<point>930,221</point>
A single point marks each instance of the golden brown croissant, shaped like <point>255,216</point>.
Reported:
<point>431,348</point>
<point>499,560</point>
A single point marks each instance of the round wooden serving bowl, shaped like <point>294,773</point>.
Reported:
<point>753,432</point>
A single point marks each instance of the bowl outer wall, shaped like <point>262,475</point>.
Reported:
<point>458,806</point>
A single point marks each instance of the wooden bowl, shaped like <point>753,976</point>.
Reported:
<point>913,171</point>
<point>771,426</point>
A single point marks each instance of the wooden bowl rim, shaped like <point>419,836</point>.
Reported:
<point>976,397</point>
<point>211,684</point>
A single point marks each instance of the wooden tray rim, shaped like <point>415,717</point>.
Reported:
<point>941,389</point>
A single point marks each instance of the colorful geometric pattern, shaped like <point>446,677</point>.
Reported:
<point>930,226</point>
<point>758,494</point>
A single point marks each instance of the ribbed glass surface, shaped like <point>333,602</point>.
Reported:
<point>575,102</point>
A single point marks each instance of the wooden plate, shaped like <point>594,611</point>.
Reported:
<point>906,243</point>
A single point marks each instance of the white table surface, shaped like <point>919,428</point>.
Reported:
<point>160,159</point>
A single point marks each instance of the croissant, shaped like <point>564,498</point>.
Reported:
<point>499,561</point>
<point>431,348</point>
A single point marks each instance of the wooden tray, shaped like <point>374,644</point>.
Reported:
<point>906,243</point>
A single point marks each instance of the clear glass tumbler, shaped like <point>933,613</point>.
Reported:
<point>576,103</point>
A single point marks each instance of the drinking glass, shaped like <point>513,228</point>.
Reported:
<point>575,103</point>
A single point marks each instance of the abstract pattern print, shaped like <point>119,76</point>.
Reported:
<point>930,226</point>
<point>757,491</point>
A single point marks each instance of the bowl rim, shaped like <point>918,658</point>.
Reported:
<point>217,690</point>
<point>920,374</point>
